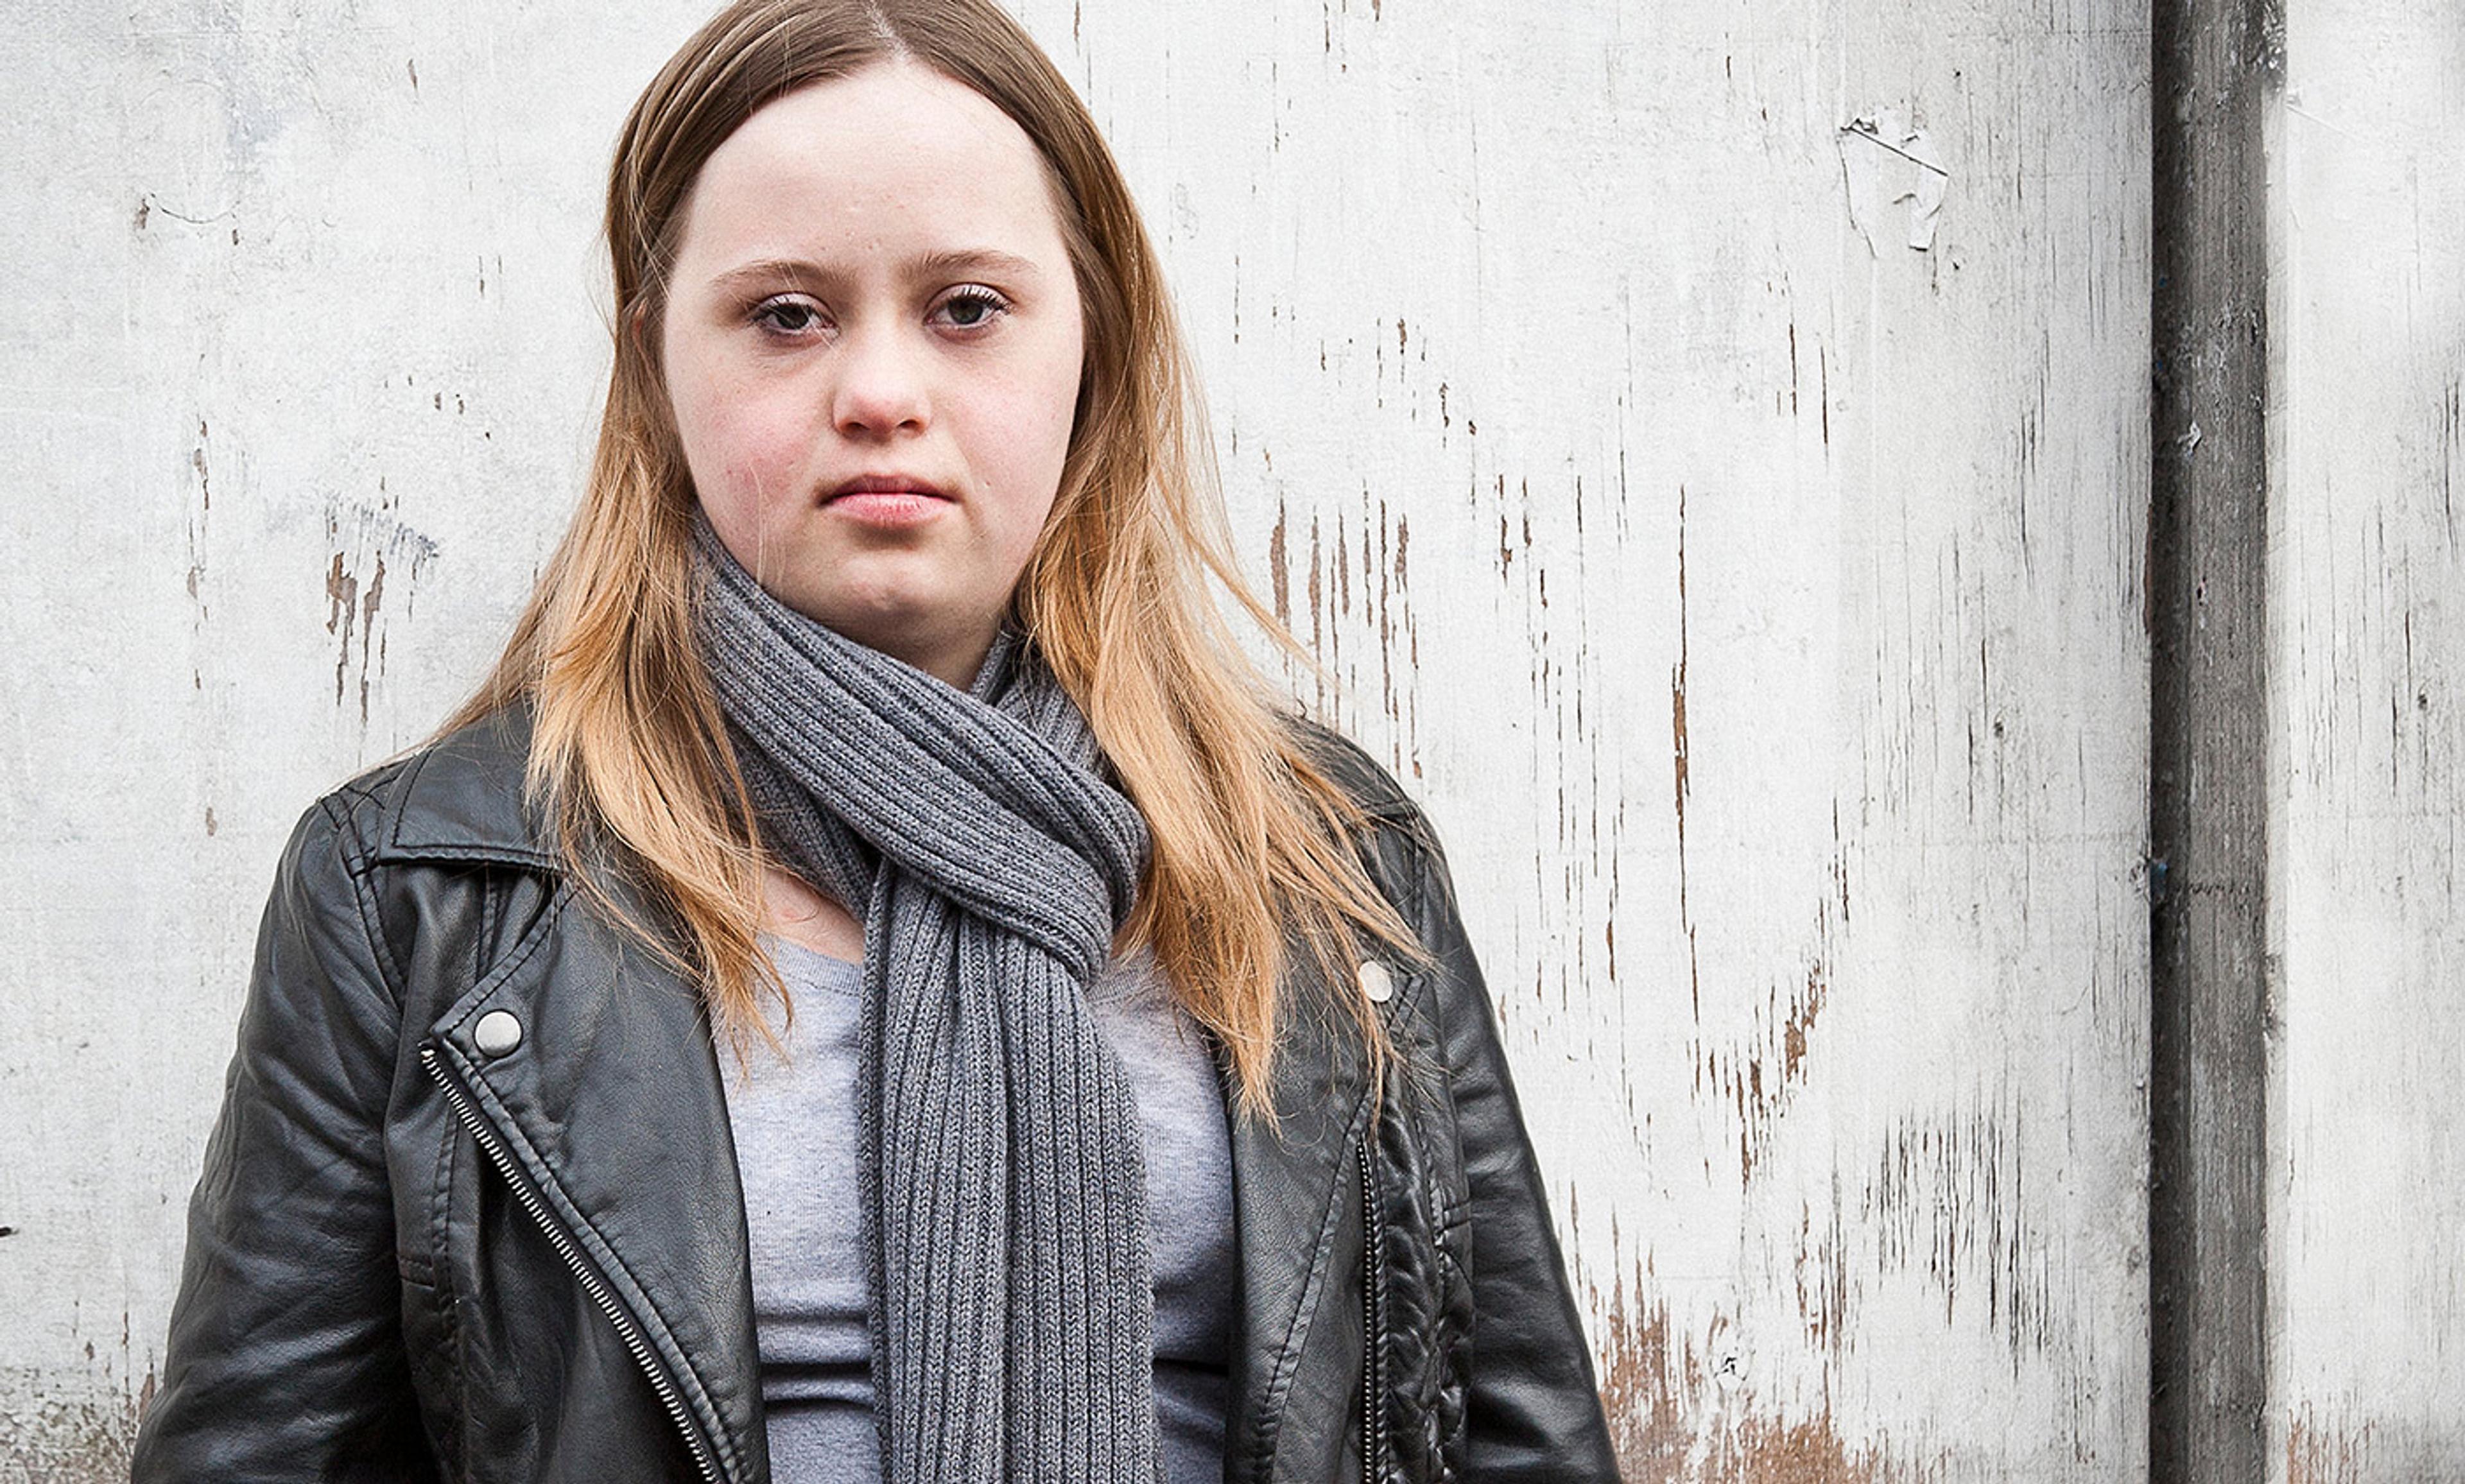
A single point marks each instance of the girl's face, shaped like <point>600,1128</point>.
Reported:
<point>872,345</point>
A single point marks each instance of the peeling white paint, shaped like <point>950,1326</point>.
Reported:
<point>1896,177</point>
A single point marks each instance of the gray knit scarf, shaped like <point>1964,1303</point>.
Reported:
<point>1002,1180</point>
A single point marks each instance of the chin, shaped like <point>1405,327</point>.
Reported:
<point>913,632</point>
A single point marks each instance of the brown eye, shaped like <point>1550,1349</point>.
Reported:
<point>971,308</point>
<point>789,316</point>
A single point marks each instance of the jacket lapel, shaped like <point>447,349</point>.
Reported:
<point>590,1066</point>
<point>611,1103</point>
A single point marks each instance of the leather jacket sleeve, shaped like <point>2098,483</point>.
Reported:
<point>285,1359</point>
<point>1534,1412</point>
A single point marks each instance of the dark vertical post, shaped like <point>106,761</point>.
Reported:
<point>2214,64</point>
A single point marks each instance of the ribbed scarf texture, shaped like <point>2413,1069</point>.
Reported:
<point>1001,1178</point>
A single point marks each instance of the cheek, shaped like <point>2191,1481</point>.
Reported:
<point>1037,414</point>
<point>1028,449</point>
<point>745,450</point>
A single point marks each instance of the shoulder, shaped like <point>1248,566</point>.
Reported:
<point>398,856</point>
<point>1371,789</point>
<point>457,798</point>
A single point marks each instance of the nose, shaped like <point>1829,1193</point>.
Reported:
<point>882,385</point>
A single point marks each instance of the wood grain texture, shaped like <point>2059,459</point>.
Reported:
<point>2216,63</point>
<point>2368,404</point>
<point>1705,444</point>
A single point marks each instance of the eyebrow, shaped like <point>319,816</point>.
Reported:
<point>957,261</point>
<point>974,260</point>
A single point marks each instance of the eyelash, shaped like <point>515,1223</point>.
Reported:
<point>995,304</point>
<point>767,314</point>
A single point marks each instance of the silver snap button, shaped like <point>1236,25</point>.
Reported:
<point>1377,982</point>
<point>497,1032</point>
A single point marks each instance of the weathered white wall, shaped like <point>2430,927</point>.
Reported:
<point>1780,673</point>
<point>2367,592</point>
<point>1707,441</point>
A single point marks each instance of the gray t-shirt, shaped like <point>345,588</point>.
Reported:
<point>795,1128</point>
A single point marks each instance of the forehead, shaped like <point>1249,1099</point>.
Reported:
<point>893,155</point>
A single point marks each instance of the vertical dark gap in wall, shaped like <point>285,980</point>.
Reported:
<point>2214,62</point>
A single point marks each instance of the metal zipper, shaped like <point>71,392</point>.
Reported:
<point>628,1328</point>
<point>1373,1326</point>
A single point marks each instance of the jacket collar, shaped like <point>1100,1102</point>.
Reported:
<point>463,798</point>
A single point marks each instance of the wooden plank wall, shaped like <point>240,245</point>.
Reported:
<point>2368,599</point>
<point>1707,443</point>
<point>2213,65</point>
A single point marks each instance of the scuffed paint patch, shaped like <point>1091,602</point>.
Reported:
<point>2452,464</point>
<point>1949,1197</point>
<point>1355,583</point>
<point>1897,179</point>
<point>201,464</point>
<point>2340,1443</point>
<point>1680,1414</point>
<point>2325,1452</point>
<point>1279,567</point>
<point>60,1441</point>
<point>1761,1450</point>
<point>1678,762</point>
<point>1755,1078</point>
<point>1642,1381</point>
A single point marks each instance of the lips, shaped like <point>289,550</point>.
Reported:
<point>887,501</point>
<point>885,484</point>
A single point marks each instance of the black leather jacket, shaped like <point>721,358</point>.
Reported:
<point>411,1257</point>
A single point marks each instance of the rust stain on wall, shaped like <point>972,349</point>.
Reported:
<point>1757,1078</point>
<point>363,538</point>
<point>1317,589</point>
<point>200,464</point>
<point>1403,585</point>
<point>58,1428</point>
<point>1353,573</point>
<point>1279,572</point>
<point>1763,1450</point>
<point>1822,1273</point>
<point>343,613</point>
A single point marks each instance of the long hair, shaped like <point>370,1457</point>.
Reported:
<point>1253,858</point>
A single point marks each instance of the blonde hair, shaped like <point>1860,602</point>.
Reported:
<point>1254,856</point>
